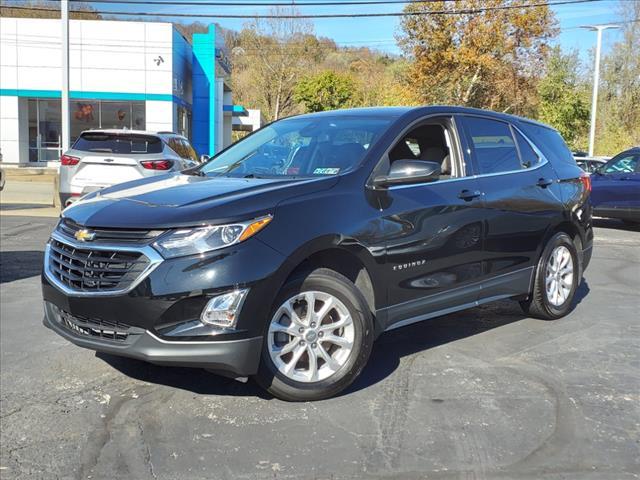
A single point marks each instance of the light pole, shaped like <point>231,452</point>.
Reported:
<point>596,80</point>
<point>64,97</point>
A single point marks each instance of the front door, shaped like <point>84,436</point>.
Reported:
<point>616,186</point>
<point>433,230</point>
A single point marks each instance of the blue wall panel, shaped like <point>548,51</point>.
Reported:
<point>204,96</point>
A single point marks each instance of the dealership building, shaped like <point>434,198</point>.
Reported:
<point>130,75</point>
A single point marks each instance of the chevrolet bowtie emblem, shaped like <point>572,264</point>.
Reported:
<point>85,235</point>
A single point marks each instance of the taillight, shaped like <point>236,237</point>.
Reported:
<point>68,160</point>
<point>157,164</point>
<point>586,181</point>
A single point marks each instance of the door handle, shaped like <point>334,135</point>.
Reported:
<point>469,194</point>
<point>544,182</point>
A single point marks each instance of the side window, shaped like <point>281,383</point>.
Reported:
<point>174,144</point>
<point>493,145</point>
<point>624,164</point>
<point>189,151</point>
<point>431,143</point>
<point>528,156</point>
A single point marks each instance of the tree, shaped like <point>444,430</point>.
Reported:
<point>564,101</point>
<point>618,124</point>
<point>325,91</point>
<point>271,56</point>
<point>47,9</point>
<point>487,57</point>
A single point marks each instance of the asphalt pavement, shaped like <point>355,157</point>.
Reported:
<point>485,393</point>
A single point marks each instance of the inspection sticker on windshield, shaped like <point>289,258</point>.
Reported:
<point>326,171</point>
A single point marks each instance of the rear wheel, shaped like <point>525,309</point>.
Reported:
<point>556,280</point>
<point>318,339</point>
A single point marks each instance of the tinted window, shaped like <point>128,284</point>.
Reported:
<point>182,148</point>
<point>304,146</point>
<point>622,164</point>
<point>493,146</point>
<point>528,156</point>
<point>118,143</point>
<point>549,142</point>
<point>191,153</point>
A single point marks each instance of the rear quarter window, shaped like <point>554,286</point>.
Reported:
<point>118,143</point>
<point>549,142</point>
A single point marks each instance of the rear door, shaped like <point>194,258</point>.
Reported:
<point>521,200</point>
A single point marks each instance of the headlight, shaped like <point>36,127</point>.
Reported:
<point>190,241</point>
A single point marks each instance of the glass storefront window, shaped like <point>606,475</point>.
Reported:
<point>45,122</point>
<point>115,114</point>
<point>184,121</point>
<point>138,117</point>
<point>85,115</point>
<point>45,130</point>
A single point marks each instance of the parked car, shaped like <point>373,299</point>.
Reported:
<point>103,158</point>
<point>616,187</point>
<point>590,165</point>
<point>289,270</point>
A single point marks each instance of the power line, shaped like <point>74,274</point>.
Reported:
<point>291,3</point>
<point>465,11</point>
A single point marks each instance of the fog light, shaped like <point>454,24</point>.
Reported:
<point>223,310</point>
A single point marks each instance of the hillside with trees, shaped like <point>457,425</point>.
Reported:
<point>485,57</point>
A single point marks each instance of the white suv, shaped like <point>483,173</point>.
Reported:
<point>102,158</point>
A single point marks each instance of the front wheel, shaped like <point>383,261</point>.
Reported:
<point>318,340</point>
<point>556,280</point>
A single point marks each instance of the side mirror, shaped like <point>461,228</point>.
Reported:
<point>204,158</point>
<point>404,172</point>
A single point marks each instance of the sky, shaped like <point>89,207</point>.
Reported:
<point>379,32</point>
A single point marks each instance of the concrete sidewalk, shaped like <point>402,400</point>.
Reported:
<point>29,194</point>
<point>28,210</point>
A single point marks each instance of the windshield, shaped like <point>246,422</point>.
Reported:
<point>308,146</point>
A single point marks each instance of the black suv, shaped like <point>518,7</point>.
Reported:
<point>287,254</point>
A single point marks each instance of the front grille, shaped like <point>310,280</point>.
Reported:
<point>94,327</point>
<point>93,270</point>
<point>110,235</point>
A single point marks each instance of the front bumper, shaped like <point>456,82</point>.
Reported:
<point>174,293</point>
<point>236,357</point>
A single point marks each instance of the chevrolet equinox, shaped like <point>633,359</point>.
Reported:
<point>286,255</point>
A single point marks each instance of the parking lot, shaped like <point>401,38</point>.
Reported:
<point>485,393</point>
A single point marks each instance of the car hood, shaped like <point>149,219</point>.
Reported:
<point>178,200</point>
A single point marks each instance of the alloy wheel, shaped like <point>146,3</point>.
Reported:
<point>310,336</point>
<point>559,276</point>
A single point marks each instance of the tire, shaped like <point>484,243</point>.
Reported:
<point>346,308</point>
<point>553,303</point>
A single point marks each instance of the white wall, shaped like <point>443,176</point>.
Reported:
<point>106,57</point>
<point>9,130</point>
<point>159,116</point>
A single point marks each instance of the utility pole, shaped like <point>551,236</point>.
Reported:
<point>596,81</point>
<point>64,16</point>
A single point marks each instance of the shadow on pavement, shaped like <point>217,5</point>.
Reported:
<point>23,206</point>
<point>194,380</point>
<point>384,360</point>
<point>16,265</point>
<point>615,224</point>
